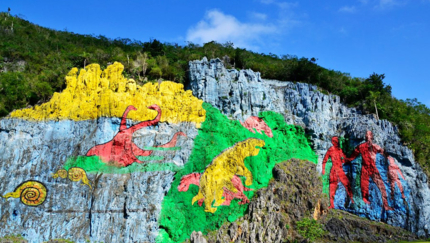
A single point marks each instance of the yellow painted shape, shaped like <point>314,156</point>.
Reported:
<point>93,93</point>
<point>60,173</point>
<point>221,171</point>
<point>31,193</point>
<point>77,174</point>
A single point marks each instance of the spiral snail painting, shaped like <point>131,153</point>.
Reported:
<point>74,174</point>
<point>31,193</point>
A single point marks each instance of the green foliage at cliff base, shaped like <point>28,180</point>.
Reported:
<point>179,218</point>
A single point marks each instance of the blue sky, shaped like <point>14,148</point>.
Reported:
<point>353,36</point>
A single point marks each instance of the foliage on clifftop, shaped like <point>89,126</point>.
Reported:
<point>34,61</point>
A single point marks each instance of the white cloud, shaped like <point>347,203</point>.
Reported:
<point>220,27</point>
<point>258,16</point>
<point>280,4</point>
<point>383,4</point>
<point>347,9</point>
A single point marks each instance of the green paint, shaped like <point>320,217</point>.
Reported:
<point>93,164</point>
<point>179,218</point>
<point>326,177</point>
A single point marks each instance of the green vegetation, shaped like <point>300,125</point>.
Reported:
<point>34,61</point>
<point>179,218</point>
<point>12,239</point>
<point>310,228</point>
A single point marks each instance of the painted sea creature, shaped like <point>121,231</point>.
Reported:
<point>121,149</point>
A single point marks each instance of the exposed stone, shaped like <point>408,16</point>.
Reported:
<point>243,93</point>
<point>293,195</point>
<point>119,208</point>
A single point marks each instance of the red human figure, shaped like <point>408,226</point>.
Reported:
<point>368,151</point>
<point>393,178</point>
<point>336,174</point>
<point>121,149</point>
<point>194,178</point>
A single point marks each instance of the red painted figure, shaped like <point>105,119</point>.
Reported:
<point>121,149</point>
<point>336,174</point>
<point>368,151</point>
<point>393,177</point>
<point>259,125</point>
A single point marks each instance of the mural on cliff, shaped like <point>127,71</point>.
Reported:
<point>31,193</point>
<point>74,174</point>
<point>365,175</point>
<point>258,124</point>
<point>95,93</point>
<point>225,190</point>
<point>194,178</point>
<point>220,173</point>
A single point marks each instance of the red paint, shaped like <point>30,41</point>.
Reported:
<point>368,151</point>
<point>393,177</point>
<point>172,142</point>
<point>121,148</point>
<point>258,124</point>
<point>336,174</point>
<point>194,178</point>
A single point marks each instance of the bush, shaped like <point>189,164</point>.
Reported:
<point>310,229</point>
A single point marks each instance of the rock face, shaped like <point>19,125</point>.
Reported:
<point>119,208</point>
<point>241,94</point>
<point>291,196</point>
<point>99,163</point>
<point>76,195</point>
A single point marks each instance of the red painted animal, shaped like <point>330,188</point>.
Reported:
<point>172,142</point>
<point>259,125</point>
<point>121,149</point>
<point>194,178</point>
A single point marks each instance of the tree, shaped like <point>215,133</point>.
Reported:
<point>141,62</point>
<point>373,97</point>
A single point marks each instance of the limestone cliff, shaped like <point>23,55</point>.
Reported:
<point>243,93</point>
<point>112,161</point>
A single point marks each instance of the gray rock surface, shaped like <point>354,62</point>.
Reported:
<point>119,208</point>
<point>243,93</point>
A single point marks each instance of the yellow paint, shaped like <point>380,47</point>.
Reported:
<point>31,193</point>
<point>94,93</point>
<point>220,172</point>
<point>74,174</point>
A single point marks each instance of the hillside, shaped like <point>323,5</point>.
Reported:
<point>34,61</point>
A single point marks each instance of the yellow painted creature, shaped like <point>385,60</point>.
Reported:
<point>220,172</point>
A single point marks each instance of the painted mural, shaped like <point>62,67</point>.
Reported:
<point>92,93</point>
<point>31,193</point>
<point>73,174</point>
<point>365,178</point>
<point>338,158</point>
<point>194,179</point>
<point>211,189</point>
<point>257,123</point>
<point>220,173</point>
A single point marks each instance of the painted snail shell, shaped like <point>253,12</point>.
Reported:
<point>60,173</point>
<point>31,193</point>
